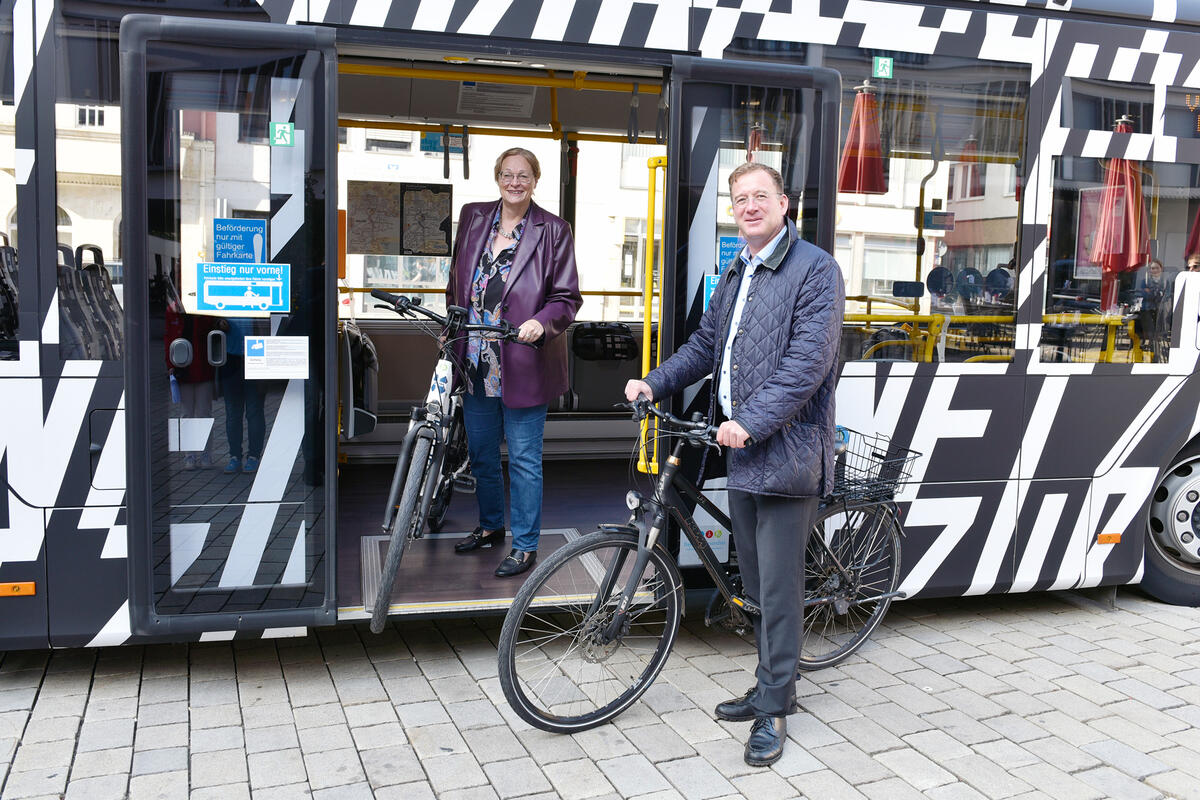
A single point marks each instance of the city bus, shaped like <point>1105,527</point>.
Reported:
<point>1011,191</point>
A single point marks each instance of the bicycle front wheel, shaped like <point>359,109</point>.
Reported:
<point>405,526</point>
<point>851,567</point>
<point>568,662</point>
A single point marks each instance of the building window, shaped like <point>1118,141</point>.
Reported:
<point>90,116</point>
<point>378,145</point>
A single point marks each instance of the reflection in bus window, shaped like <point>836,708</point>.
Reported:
<point>1118,234</point>
<point>949,132</point>
<point>88,162</point>
<point>9,274</point>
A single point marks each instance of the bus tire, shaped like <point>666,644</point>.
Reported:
<point>1171,568</point>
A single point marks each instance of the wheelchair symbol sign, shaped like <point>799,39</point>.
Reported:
<point>283,134</point>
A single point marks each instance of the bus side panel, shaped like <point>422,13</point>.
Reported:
<point>23,589</point>
<point>1122,495</point>
<point>85,533</point>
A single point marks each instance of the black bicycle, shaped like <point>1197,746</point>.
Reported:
<point>594,623</point>
<point>433,457</point>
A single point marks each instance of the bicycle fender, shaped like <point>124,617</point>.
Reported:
<point>615,527</point>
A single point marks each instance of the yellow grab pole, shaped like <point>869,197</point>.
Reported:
<point>648,463</point>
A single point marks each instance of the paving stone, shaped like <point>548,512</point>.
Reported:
<point>232,791</point>
<point>96,763</point>
<point>295,791</point>
<point>333,768</point>
<point>159,786</point>
<point>36,782</point>
<point>171,759</point>
<point>1132,762</point>
<point>548,748</point>
<point>276,737</point>
<point>986,776</point>
<point>276,768</point>
<point>1055,782</point>
<point>659,742</point>
<point>852,763</point>
<point>417,790</point>
<point>890,789</point>
<point>107,787</point>
<point>825,784</point>
<point>955,791</point>
<point>695,778</point>
<point>518,777</point>
<point>162,714</point>
<point>914,768</point>
<point>1176,784</point>
<point>493,744</point>
<point>328,737</point>
<point>1112,783</point>
<point>388,766</point>
<point>207,740</point>
<point>453,772</point>
<point>870,736</point>
<point>219,767</point>
<point>764,785</point>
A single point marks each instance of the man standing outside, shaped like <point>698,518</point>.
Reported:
<point>770,338</point>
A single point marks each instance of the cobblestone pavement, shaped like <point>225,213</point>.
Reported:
<point>1045,695</point>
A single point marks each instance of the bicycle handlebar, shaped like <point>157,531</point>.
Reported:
<point>407,305</point>
<point>696,429</point>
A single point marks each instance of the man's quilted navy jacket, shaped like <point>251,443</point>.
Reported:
<point>784,367</point>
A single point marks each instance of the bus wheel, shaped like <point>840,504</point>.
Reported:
<point>1172,571</point>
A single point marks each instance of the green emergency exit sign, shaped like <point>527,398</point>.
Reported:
<point>283,134</point>
<point>882,67</point>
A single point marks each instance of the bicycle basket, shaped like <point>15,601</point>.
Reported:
<point>871,466</point>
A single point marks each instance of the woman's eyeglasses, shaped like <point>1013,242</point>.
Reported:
<point>515,177</point>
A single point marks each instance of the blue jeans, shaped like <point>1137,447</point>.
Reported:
<point>242,397</point>
<point>487,420</point>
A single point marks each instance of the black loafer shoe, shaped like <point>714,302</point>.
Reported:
<point>477,539</point>
<point>516,562</point>
<point>765,745</point>
<point>739,709</point>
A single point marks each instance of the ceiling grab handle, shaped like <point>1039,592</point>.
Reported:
<point>466,155</point>
<point>632,133</point>
<point>660,124</point>
<point>446,152</point>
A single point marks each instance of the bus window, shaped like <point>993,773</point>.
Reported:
<point>88,160</point>
<point>1118,234</point>
<point>951,129</point>
<point>9,275</point>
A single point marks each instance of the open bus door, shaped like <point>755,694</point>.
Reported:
<point>726,113</point>
<point>228,150</point>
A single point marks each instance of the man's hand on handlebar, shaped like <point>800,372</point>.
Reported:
<point>731,434</point>
<point>635,388</point>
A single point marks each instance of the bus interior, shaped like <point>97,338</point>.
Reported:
<point>574,116</point>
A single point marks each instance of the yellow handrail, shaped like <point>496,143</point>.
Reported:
<point>649,465</point>
<point>578,80</point>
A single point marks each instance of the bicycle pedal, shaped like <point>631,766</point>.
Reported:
<point>464,483</point>
<point>747,606</point>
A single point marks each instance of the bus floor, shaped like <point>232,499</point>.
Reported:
<point>578,496</point>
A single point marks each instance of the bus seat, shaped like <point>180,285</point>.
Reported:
<point>107,314</point>
<point>77,339</point>
<point>604,355</point>
<point>358,381</point>
<point>9,319</point>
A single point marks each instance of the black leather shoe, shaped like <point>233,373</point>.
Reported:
<point>739,709</point>
<point>477,539</point>
<point>765,745</point>
<point>516,562</point>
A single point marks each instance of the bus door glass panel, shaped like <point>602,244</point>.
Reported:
<point>235,362</point>
<point>10,288</point>
<point>728,113</point>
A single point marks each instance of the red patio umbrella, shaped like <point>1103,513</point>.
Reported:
<point>1193,240</point>
<point>1122,241</point>
<point>861,168</point>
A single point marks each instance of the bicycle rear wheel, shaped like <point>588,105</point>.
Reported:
<point>848,580</point>
<point>563,667</point>
<point>405,527</point>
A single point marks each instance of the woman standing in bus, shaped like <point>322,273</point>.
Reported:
<point>513,260</point>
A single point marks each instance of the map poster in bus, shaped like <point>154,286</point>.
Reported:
<point>239,289</point>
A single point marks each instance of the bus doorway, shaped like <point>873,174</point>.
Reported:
<point>419,131</point>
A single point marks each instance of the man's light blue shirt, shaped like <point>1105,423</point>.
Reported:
<point>724,391</point>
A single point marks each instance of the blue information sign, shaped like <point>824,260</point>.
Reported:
<point>240,240</point>
<point>710,286</point>
<point>727,249</point>
<point>232,286</point>
<point>434,142</point>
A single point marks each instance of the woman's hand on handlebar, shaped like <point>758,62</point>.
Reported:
<point>530,331</point>
<point>634,389</point>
